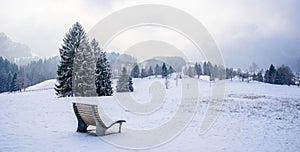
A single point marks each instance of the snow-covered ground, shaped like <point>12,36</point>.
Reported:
<point>254,117</point>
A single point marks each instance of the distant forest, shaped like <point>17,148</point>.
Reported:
<point>16,78</point>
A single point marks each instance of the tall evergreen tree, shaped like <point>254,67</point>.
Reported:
<point>267,77</point>
<point>157,70</point>
<point>171,70</point>
<point>123,82</point>
<point>198,70</point>
<point>284,75</point>
<point>8,75</point>
<point>272,74</point>
<point>214,72</point>
<point>130,85</point>
<point>83,78</point>
<point>229,73</point>
<point>71,43</point>
<point>144,73</point>
<point>191,71</point>
<point>14,84</point>
<point>205,69</point>
<point>150,71</point>
<point>164,70</point>
<point>259,76</point>
<point>210,68</point>
<point>221,72</point>
<point>135,72</point>
<point>103,71</point>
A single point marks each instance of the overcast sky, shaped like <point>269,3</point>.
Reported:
<point>246,31</point>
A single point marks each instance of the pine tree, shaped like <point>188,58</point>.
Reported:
<point>157,70</point>
<point>214,72</point>
<point>103,71</point>
<point>267,77</point>
<point>221,72</point>
<point>150,71</point>
<point>83,78</point>
<point>130,84</point>
<point>8,75</point>
<point>123,82</point>
<point>71,43</point>
<point>164,70</point>
<point>198,70</point>
<point>191,71</point>
<point>259,77</point>
<point>171,70</point>
<point>272,74</point>
<point>14,84</point>
<point>144,73</point>
<point>210,68</point>
<point>284,75</point>
<point>135,72</point>
<point>205,69</point>
<point>229,73</point>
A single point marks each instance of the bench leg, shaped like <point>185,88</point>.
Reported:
<point>120,126</point>
<point>81,125</point>
<point>100,131</point>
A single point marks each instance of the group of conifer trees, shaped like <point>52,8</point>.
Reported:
<point>83,68</point>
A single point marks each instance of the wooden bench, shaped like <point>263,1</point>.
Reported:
<point>87,114</point>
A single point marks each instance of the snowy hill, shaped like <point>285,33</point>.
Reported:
<point>254,117</point>
<point>48,84</point>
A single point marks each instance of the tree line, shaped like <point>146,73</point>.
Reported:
<point>162,70</point>
<point>15,78</point>
<point>282,75</point>
<point>208,69</point>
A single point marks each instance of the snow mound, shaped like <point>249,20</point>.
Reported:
<point>48,84</point>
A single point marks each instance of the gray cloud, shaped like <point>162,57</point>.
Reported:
<point>246,31</point>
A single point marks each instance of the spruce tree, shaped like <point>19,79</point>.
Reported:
<point>272,74</point>
<point>103,71</point>
<point>171,70</point>
<point>83,78</point>
<point>71,42</point>
<point>135,72</point>
<point>157,70</point>
<point>229,73</point>
<point>14,84</point>
<point>198,69</point>
<point>284,75</point>
<point>267,77</point>
<point>259,77</point>
<point>130,84</point>
<point>210,68</point>
<point>164,70</point>
<point>123,82</point>
<point>205,71</point>
<point>150,71</point>
<point>221,72</point>
<point>191,71</point>
<point>144,73</point>
<point>8,75</point>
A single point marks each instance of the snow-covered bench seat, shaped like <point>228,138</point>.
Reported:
<point>87,114</point>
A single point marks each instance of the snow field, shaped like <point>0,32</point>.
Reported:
<point>254,117</point>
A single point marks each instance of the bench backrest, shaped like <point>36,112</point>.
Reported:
<point>87,112</point>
